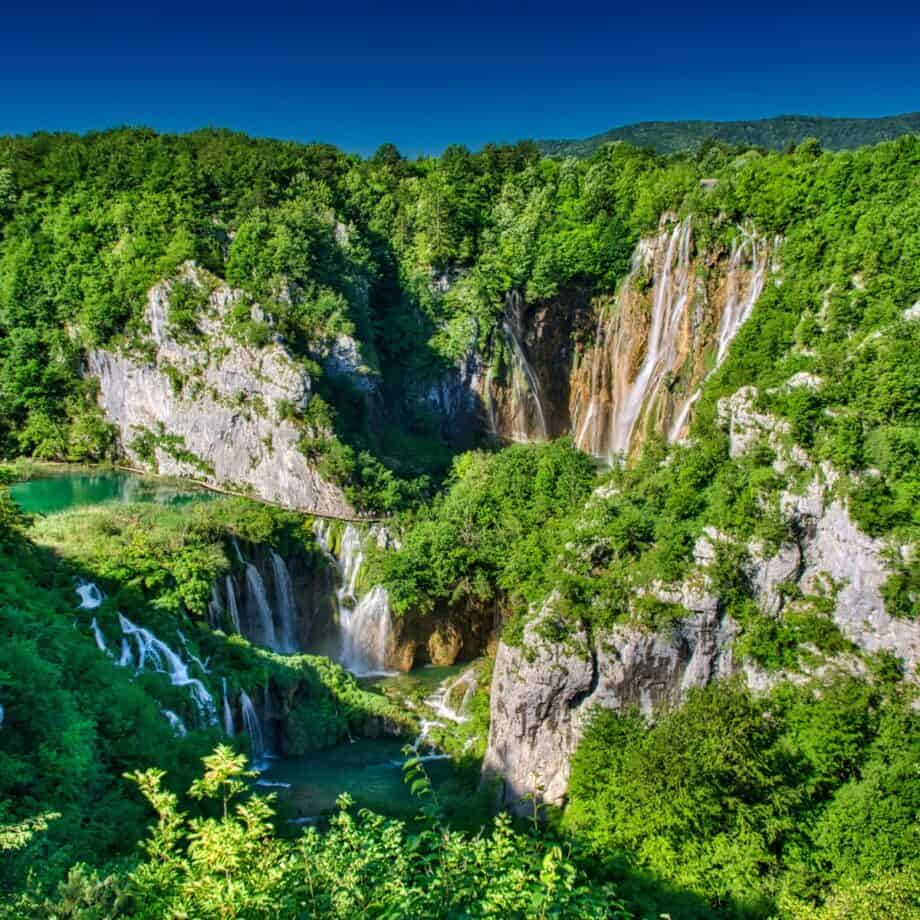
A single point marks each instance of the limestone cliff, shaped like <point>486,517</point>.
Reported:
<point>204,404</point>
<point>543,691</point>
<point>611,370</point>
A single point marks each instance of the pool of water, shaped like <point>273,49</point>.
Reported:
<point>418,683</point>
<point>369,770</point>
<point>61,491</point>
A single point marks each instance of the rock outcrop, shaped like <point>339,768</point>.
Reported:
<point>544,690</point>
<point>206,405</point>
<point>610,371</point>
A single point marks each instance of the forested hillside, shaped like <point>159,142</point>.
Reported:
<point>644,446</point>
<point>771,133</point>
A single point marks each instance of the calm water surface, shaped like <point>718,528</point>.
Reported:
<point>59,492</point>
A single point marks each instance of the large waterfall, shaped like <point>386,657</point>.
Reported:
<point>287,607</point>
<point>365,623</point>
<point>528,398</point>
<point>258,601</point>
<point>366,632</point>
<point>656,334</point>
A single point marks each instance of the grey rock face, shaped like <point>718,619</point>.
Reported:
<point>216,407</point>
<point>343,359</point>
<point>455,399</point>
<point>543,693</point>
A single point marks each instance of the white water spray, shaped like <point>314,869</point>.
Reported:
<point>165,661</point>
<point>259,598</point>
<point>100,639</point>
<point>253,727</point>
<point>287,606</point>
<point>90,596</point>
<point>365,624</point>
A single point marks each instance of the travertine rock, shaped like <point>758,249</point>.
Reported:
<point>215,406</point>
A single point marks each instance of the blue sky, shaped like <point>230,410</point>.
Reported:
<point>425,75</point>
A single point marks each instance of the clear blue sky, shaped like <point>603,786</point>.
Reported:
<point>426,75</point>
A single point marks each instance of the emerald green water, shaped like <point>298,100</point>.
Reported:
<point>59,492</point>
<point>369,770</point>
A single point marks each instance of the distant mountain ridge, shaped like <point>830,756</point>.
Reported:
<point>774,133</point>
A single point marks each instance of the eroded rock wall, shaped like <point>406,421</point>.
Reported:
<point>208,406</point>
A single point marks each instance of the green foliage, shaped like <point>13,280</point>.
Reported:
<point>778,133</point>
<point>477,537</point>
<point>363,865</point>
<point>746,801</point>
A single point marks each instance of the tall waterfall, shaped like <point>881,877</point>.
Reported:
<point>524,380</point>
<point>232,606</point>
<point>287,608</point>
<point>365,623</point>
<point>228,712</point>
<point>646,342</point>
<point>747,248</point>
<point>366,633</point>
<point>259,597</point>
<point>165,661</point>
<point>253,727</point>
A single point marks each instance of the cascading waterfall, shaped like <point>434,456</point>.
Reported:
<point>178,726</point>
<point>442,701</point>
<point>287,607</point>
<point>746,248</point>
<point>613,401</point>
<point>525,382</point>
<point>232,606</point>
<point>215,609</point>
<point>366,633</point>
<point>228,712</point>
<point>667,311</point>
<point>90,595</point>
<point>162,658</point>
<point>165,661</point>
<point>203,665</point>
<point>257,593</point>
<point>365,624</point>
<point>677,426</point>
<point>350,561</point>
<point>100,639</point>
<point>253,727</point>
<point>127,659</point>
<point>445,705</point>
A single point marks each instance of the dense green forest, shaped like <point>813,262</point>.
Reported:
<point>798,802</point>
<point>772,133</point>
